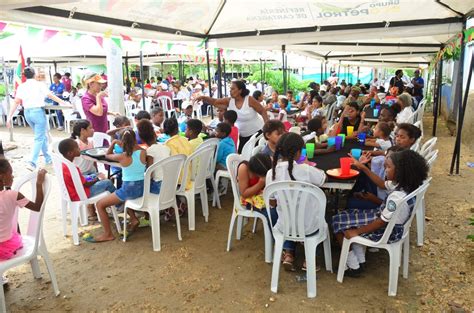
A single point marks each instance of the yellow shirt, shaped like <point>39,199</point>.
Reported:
<point>196,142</point>
<point>180,145</point>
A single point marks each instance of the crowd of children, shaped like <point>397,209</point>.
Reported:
<point>388,172</point>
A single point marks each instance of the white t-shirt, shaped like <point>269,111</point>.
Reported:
<point>158,152</point>
<point>405,116</point>
<point>392,204</point>
<point>303,173</point>
<point>247,122</point>
<point>384,144</point>
<point>285,115</point>
<point>32,93</point>
<point>86,166</point>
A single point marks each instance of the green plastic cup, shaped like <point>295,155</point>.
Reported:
<point>310,150</point>
<point>343,139</point>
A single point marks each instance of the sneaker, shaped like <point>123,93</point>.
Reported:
<point>353,273</point>
<point>60,128</point>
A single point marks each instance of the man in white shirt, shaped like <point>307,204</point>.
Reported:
<point>31,94</point>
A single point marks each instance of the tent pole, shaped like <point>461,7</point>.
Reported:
<point>321,72</point>
<point>338,70</point>
<point>208,76</point>
<point>143,80</point>
<point>287,72</point>
<point>7,94</point>
<point>437,95</point>
<point>219,74</point>
<point>283,68</point>
<point>261,74</point>
<point>325,70</point>
<point>55,67</point>
<point>264,74</point>
<point>225,79</point>
<point>459,89</point>
<point>358,70</point>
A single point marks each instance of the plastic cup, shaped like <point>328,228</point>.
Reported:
<point>331,141</point>
<point>303,156</point>
<point>345,165</point>
<point>350,131</point>
<point>361,138</point>
<point>356,153</point>
<point>343,139</point>
<point>376,113</point>
<point>338,143</point>
<point>377,107</point>
<point>310,150</point>
<point>372,103</point>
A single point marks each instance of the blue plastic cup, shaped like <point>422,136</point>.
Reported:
<point>356,153</point>
<point>372,103</point>
<point>376,112</point>
<point>361,138</point>
<point>331,141</point>
<point>338,143</point>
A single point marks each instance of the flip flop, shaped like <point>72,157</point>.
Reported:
<point>144,222</point>
<point>126,234</point>
<point>90,239</point>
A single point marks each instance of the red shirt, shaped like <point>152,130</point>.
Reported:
<point>70,184</point>
<point>234,134</point>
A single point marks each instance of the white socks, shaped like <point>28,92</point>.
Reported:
<point>359,251</point>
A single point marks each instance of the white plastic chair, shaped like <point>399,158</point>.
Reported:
<point>213,142</point>
<point>129,107</point>
<point>153,203</point>
<point>419,113</point>
<point>78,208</point>
<point>420,214</point>
<point>291,196</point>
<point>69,117</point>
<point>395,248</point>
<point>98,139</point>
<point>295,129</point>
<point>249,145</point>
<point>239,212</point>
<point>428,147</point>
<point>262,141</point>
<point>416,146</point>
<point>257,150</point>
<point>33,239</point>
<point>196,168</point>
<point>418,124</point>
<point>167,104</point>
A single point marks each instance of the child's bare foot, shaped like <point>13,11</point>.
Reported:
<point>104,238</point>
<point>133,226</point>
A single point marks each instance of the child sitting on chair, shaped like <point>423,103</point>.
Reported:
<point>230,117</point>
<point>316,133</point>
<point>193,129</point>
<point>288,149</point>
<point>82,132</point>
<point>226,145</point>
<point>272,131</point>
<point>382,141</point>
<point>91,183</point>
<point>405,171</point>
<point>10,239</point>
<point>157,118</point>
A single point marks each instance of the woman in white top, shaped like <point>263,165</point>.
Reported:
<point>247,108</point>
<point>31,94</point>
<point>406,113</point>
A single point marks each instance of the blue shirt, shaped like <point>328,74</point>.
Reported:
<point>57,91</point>
<point>418,92</point>
<point>226,147</point>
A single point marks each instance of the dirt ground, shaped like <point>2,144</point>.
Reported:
<point>197,274</point>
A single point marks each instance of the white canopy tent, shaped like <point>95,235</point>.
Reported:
<point>347,30</point>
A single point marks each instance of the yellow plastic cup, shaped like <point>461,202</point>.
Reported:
<point>350,131</point>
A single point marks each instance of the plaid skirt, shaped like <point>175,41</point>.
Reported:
<point>355,218</point>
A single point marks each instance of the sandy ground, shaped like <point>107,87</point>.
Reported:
<point>197,274</point>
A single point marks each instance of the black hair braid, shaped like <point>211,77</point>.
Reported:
<point>128,141</point>
<point>290,166</point>
<point>276,155</point>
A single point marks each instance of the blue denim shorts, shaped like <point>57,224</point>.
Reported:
<point>130,190</point>
<point>155,187</point>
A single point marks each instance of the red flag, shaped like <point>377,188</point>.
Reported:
<point>125,37</point>
<point>20,66</point>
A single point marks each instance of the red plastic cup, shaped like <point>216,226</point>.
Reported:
<point>345,165</point>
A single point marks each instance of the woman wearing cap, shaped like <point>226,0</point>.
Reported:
<point>247,108</point>
<point>31,95</point>
<point>93,103</point>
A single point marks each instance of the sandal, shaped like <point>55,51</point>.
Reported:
<point>288,260</point>
<point>303,268</point>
